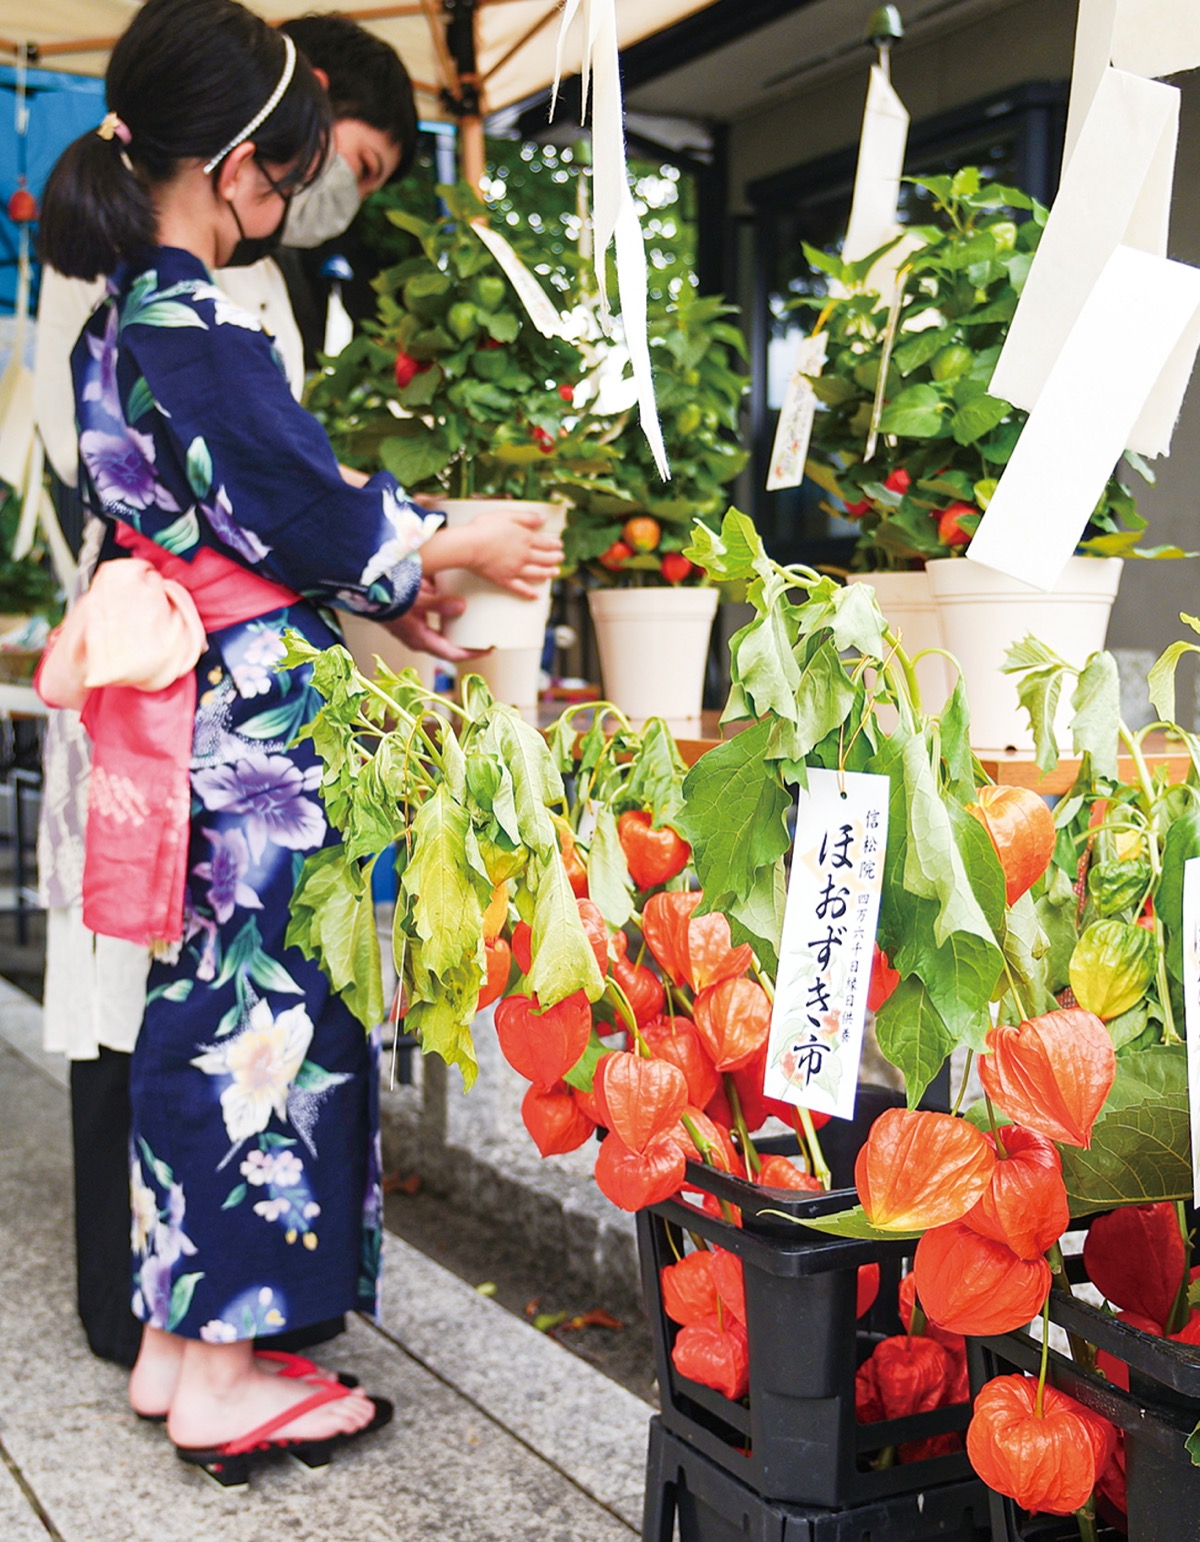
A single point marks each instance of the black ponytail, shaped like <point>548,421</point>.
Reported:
<point>184,79</point>
<point>96,210</point>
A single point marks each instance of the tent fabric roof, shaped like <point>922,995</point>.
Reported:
<point>516,39</point>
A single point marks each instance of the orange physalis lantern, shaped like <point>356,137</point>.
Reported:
<point>693,950</point>
<point>1045,1462</point>
<point>1051,1073</point>
<point>1135,1257</point>
<point>970,1284</point>
<point>688,1291</point>
<point>920,1169</point>
<point>733,1020</point>
<point>640,1099</point>
<point>634,1179</point>
<point>675,1039</point>
<point>1025,1205</point>
<point>1021,828</point>
<point>555,1120</point>
<point>543,1046</point>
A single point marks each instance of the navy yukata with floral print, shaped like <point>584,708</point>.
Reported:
<point>256,1195</point>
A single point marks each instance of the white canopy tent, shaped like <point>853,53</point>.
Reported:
<point>467,58</point>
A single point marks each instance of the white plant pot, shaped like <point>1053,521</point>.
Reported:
<point>367,639</point>
<point>907,601</point>
<point>511,674</point>
<point>984,612</point>
<point>653,648</point>
<point>494,618</point>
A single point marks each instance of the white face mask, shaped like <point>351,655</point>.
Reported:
<point>324,210</point>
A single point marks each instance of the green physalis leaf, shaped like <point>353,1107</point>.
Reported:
<point>609,884</point>
<point>442,891</point>
<point>1097,704</point>
<point>333,921</point>
<point>845,1223</point>
<point>1141,1144</point>
<point>734,815</point>
<point>913,1036</point>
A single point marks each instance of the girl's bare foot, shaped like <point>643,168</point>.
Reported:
<point>154,1377</point>
<point>222,1394</point>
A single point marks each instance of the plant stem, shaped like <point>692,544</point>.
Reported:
<point>1179,1307</point>
<point>621,1001</point>
<point>753,1162</point>
<point>1082,1352</point>
<point>1045,1365</point>
<point>816,1156</point>
<point>995,1129</point>
<point>1133,744</point>
<point>966,1076</point>
<point>1085,1519</point>
<point>1014,992</point>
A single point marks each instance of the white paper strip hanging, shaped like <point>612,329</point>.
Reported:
<point>1152,38</point>
<point>1116,192</point>
<point>541,311</point>
<point>880,166</point>
<point>1145,311</point>
<point>614,215</point>
<point>794,428</point>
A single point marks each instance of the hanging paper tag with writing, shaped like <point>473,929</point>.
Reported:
<point>794,428</point>
<point>532,296</point>
<point>828,934</point>
<point>1191,998</point>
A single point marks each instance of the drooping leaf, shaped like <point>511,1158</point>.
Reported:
<point>333,921</point>
<point>913,1036</point>
<point>442,892</point>
<point>1097,705</point>
<point>734,814</point>
<point>563,961</point>
<point>609,884</point>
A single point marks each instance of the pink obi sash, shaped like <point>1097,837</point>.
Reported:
<point>125,657</point>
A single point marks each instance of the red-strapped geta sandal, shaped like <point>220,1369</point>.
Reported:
<point>293,1367</point>
<point>230,1463</point>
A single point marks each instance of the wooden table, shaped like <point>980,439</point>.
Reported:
<point>694,739</point>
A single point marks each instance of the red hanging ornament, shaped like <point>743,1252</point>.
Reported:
<point>22,205</point>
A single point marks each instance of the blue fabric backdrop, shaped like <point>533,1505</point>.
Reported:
<point>61,107</point>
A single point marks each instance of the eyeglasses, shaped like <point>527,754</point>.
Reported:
<point>280,187</point>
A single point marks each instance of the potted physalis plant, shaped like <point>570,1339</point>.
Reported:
<point>652,608</point>
<point>457,392</point>
<point>909,444</point>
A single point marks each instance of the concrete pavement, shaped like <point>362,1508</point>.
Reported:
<point>500,1435</point>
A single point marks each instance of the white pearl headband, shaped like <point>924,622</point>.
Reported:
<point>273,101</point>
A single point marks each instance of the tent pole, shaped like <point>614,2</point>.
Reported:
<point>467,106</point>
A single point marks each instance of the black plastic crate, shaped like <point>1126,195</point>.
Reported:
<point>1157,1414</point>
<point>796,1440</point>
<point>712,1506</point>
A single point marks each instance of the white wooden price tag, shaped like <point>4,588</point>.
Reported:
<point>794,428</point>
<point>828,934</point>
<point>1191,999</point>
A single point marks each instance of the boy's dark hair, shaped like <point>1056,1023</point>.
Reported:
<point>367,78</point>
<point>185,77</point>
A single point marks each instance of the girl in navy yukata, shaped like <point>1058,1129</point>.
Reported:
<point>255,1175</point>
